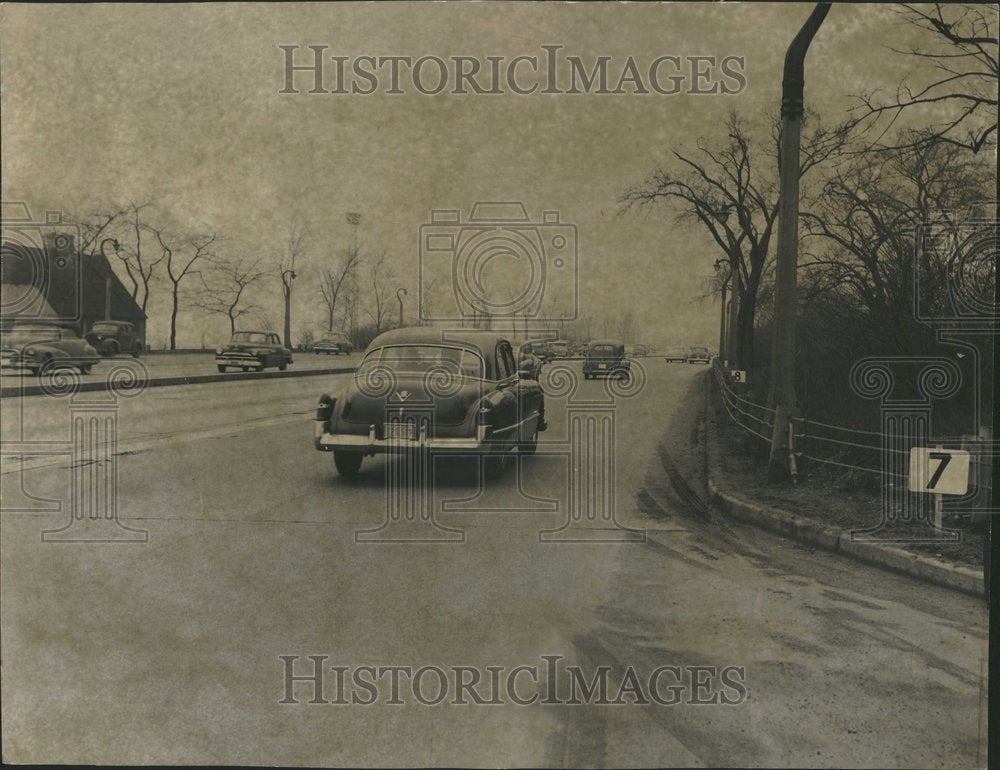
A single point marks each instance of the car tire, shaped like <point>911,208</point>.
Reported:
<point>282,366</point>
<point>220,367</point>
<point>46,367</point>
<point>113,348</point>
<point>531,445</point>
<point>136,351</point>
<point>348,463</point>
<point>85,369</point>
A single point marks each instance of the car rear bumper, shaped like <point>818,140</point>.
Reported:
<point>370,445</point>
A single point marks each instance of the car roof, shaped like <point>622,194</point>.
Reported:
<point>482,342</point>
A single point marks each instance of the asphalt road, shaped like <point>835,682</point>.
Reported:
<point>165,365</point>
<point>168,651</point>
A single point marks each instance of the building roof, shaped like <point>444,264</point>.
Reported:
<point>73,285</point>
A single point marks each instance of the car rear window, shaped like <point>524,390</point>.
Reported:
<point>417,359</point>
<point>603,350</point>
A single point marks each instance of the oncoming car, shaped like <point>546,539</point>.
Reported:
<point>698,355</point>
<point>253,350</point>
<point>41,348</point>
<point>606,358</point>
<point>416,390</point>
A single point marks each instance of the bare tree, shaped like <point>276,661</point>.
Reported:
<point>138,264</point>
<point>178,268</point>
<point>865,219</point>
<point>732,191</point>
<point>961,47</point>
<point>225,290</point>
<point>381,276</point>
<point>334,281</point>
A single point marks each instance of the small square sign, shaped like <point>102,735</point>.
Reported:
<point>939,471</point>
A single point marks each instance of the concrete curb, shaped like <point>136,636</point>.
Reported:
<point>197,379</point>
<point>781,522</point>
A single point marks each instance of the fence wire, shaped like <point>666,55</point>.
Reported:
<point>847,446</point>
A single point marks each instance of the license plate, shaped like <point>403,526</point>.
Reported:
<point>602,366</point>
<point>399,430</point>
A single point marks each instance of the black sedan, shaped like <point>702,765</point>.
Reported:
<point>446,393</point>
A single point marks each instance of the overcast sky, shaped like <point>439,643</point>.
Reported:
<point>181,104</point>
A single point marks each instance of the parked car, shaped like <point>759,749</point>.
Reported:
<point>41,348</point>
<point>542,349</point>
<point>110,338</point>
<point>606,358</point>
<point>698,355</point>
<point>578,349</point>
<point>676,353</point>
<point>559,348</point>
<point>413,389</point>
<point>334,344</point>
<point>635,351</point>
<point>253,350</point>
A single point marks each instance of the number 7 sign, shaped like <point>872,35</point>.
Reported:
<point>939,471</point>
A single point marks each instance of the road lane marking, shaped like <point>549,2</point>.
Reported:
<point>135,446</point>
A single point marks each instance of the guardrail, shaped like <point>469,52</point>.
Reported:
<point>843,447</point>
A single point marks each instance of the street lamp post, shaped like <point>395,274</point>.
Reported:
<point>400,293</point>
<point>107,275</point>
<point>287,276</point>
<point>781,395</point>
<point>354,219</point>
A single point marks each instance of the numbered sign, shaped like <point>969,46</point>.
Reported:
<point>738,375</point>
<point>939,471</point>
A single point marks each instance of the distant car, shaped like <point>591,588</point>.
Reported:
<point>528,363</point>
<point>559,349</point>
<point>334,344</point>
<point>606,358</point>
<point>110,338</point>
<point>636,350</point>
<point>578,349</point>
<point>41,348</point>
<point>415,389</point>
<point>698,355</point>
<point>676,354</point>
<point>253,350</point>
<point>542,349</point>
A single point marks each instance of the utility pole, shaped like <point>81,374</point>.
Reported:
<point>781,396</point>
<point>733,353</point>
<point>722,310</point>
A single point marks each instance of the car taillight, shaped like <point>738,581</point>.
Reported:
<point>325,408</point>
